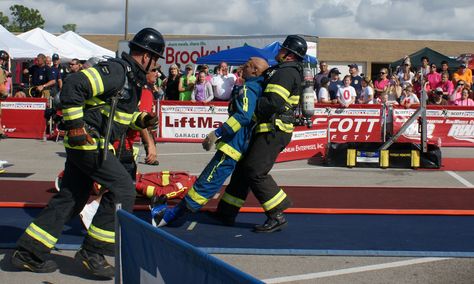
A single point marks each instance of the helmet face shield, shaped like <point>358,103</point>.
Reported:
<point>150,40</point>
<point>295,44</point>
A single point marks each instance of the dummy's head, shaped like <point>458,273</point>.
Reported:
<point>254,67</point>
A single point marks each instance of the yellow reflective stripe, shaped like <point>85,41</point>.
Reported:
<point>285,127</point>
<point>119,116</point>
<point>150,191</point>
<point>233,123</point>
<point>72,113</point>
<point>133,124</point>
<point>229,151</point>
<point>245,100</point>
<point>101,235</point>
<point>277,199</point>
<point>41,235</point>
<point>165,178</point>
<point>214,169</point>
<point>196,197</point>
<point>94,101</point>
<point>277,89</point>
<point>232,200</point>
<point>293,100</point>
<point>87,147</point>
<point>263,127</point>
<point>96,81</point>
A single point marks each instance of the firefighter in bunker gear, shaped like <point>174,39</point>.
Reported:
<point>232,141</point>
<point>275,115</point>
<point>85,101</point>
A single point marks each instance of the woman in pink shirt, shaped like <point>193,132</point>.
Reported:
<point>382,83</point>
<point>464,100</point>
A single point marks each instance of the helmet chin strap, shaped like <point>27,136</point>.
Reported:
<point>147,69</point>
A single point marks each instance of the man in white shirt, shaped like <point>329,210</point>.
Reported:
<point>222,83</point>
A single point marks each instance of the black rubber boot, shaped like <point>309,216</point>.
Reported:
<point>274,222</point>
<point>95,263</point>
<point>24,260</point>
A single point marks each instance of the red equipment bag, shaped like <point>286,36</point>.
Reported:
<point>174,185</point>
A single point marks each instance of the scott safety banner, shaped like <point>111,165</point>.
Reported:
<point>23,117</point>
<point>151,255</point>
<point>447,126</point>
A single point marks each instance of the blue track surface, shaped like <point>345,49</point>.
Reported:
<point>306,234</point>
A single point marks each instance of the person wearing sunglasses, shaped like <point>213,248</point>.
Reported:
<point>382,83</point>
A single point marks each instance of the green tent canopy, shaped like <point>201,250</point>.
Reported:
<point>434,57</point>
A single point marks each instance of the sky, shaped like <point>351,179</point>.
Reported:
<point>376,19</point>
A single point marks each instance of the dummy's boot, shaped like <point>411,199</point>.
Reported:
<point>158,207</point>
<point>173,214</point>
<point>275,222</point>
<point>95,263</point>
<point>25,260</point>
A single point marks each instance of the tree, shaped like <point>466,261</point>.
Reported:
<point>25,19</point>
<point>69,27</point>
<point>3,20</point>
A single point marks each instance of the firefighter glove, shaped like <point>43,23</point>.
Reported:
<point>79,137</point>
<point>210,140</point>
<point>147,120</point>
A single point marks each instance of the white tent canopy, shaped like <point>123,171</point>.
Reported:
<point>16,47</point>
<point>78,40</point>
<point>54,44</point>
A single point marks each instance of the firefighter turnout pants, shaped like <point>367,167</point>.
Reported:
<point>210,181</point>
<point>81,169</point>
<point>251,173</point>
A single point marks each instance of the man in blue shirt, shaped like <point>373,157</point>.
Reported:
<point>42,77</point>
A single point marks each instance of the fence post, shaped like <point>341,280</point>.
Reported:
<point>118,249</point>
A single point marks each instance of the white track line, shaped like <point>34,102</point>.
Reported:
<point>338,272</point>
<point>460,178</point>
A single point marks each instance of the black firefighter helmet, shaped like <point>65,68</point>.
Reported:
<point>150,40</point>
<point>296,45</point>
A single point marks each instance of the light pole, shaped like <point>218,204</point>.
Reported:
<point>126,20</point>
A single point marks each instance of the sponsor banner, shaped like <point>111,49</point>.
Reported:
<point>447,126</point>
<point>151,255</point>
<point>190,122</point>
<point>23,118</point>
<point>359,123</point>
<point>305,143</point>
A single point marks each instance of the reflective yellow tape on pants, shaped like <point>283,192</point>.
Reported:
<point>41,236</point>
<point>272,203</point>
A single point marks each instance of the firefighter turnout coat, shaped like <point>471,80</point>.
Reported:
<point>275,115</point>
<point>236,133</point>
<point>85,100</point>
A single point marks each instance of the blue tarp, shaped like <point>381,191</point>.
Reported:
<point>275,47</point>
<point>237,56</point>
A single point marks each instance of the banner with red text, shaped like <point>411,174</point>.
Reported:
<point>24,118</point>
<point>188,121</point>
<point>447,126</point>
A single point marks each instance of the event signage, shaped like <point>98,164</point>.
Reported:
<point>24,118</point>
<point>449,126</point>
<point>359,123</point>
<point>190,122</point>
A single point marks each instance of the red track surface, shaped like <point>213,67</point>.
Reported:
<point>318,199</point>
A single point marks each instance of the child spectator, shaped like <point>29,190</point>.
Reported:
<point>323,94</point>
<point>334,84</point>
<point>437,98</point>
<point>367,94</point>
<point>347,94</point>
<point>409,98</point>
<point>202,90</point>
